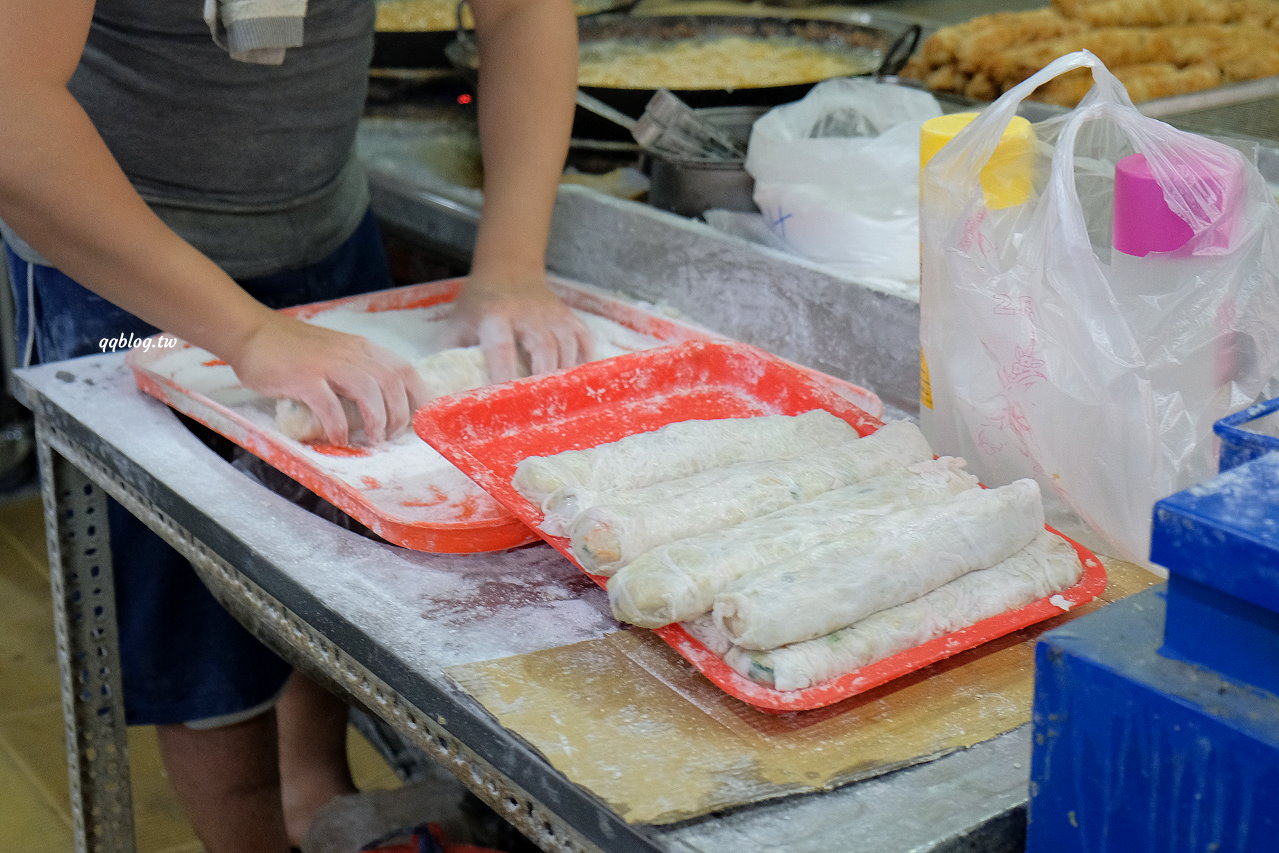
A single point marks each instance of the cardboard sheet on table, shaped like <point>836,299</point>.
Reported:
<point>421,502</point>
<point>625,718</point>
<point>486,435</point>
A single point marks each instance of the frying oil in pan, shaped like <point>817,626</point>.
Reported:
<point>728,62</point>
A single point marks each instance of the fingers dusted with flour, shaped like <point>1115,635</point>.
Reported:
<point>522,328</point>
<point>319,367</point>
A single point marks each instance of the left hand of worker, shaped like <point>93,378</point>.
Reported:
<point>508,319</point>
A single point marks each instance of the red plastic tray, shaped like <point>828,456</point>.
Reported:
<point>486,434</point>
<point>421,502</point>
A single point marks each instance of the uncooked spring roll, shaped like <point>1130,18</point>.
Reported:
<point>678,581</point>
<point>608,536</point>
<point>446,372</point>
<point>677,450</point>
<point>843,581</point>
<point>1048,564</point>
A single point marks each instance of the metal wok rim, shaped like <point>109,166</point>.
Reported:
<point>649,28</point>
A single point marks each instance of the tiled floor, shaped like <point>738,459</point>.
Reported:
<point>34,812</point>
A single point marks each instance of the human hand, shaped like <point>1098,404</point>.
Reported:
<point>288,358</point>
<point>507,319</point>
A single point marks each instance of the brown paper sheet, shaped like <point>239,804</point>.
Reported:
<point>630,720</point>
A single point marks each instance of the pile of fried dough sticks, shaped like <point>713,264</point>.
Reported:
<point>1157,48</point>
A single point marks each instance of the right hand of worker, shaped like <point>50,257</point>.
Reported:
<point>288,358</point>
<point>518,319</point>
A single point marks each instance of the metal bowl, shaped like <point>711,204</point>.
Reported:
<point>690,187</point>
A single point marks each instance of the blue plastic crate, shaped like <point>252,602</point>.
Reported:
<point>1248,434</point>
<point>1137,753</point>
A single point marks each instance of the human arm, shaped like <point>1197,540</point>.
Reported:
<point>528,77</point>
<point>63,191</point>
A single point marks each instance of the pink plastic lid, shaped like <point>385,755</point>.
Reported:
<point>1143,221</point>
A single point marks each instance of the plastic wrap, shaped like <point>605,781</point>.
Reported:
<point>676,450</point>
<point>904,556</point>
<point>1047,565</point>
<point>678,581</point>
<point>616,527</point>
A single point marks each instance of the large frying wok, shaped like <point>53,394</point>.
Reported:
<point>425,48</point>
<point>879,51</point>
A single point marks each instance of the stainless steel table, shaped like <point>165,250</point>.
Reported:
<point>348,611</point>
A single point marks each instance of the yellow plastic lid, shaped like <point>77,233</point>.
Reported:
<point>1008,177</point>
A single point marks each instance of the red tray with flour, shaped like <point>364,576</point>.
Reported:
<point>402,491</point>
<point>486,433</point>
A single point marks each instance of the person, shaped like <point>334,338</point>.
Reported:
<point>168,166</point>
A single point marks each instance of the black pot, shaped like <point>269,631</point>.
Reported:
<point>425,48</point>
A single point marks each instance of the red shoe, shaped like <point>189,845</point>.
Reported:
<point>423,839</point>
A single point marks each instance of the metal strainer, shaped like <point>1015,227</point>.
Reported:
<point>669,126</point>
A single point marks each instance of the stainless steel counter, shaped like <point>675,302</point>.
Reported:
<point>347,610</point>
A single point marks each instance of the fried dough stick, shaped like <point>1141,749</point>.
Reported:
<point>1004,30</point>
<point>1115,46</point>
<point>1242,52</point>
<point>960,45</point>
<point>1147,13</point>
<point>1259,13</point>
<point>1144,81</point>
<point>948,58</point>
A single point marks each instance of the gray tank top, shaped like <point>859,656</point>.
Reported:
<point>253,164</point>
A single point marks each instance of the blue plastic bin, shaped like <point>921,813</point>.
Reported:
<point>1248,434</point>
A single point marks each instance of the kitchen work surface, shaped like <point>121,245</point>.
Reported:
<point>429,643</point>
<point>488,433</point>
<point>399,489</point>
<point>629,720</point>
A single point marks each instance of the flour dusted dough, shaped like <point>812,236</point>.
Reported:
<point>678,450</point>
<point>616,527</point>
<point>446,372</point>
<point>1048,564</point>
<point>845,580</point>
<point>678,581</point>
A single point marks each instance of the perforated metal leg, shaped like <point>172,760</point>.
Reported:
<point>321,659</point>
<point>88,656</point>
<point>84,602</point>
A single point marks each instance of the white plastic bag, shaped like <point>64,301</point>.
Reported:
<point>1046,354</point>
<point>837,175</point>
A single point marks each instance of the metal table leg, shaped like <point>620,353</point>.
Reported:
<point>88,655</point>
<point>83,590</point>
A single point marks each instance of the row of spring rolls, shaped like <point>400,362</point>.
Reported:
<point>677,450</point>
<point>1048,564</point>
<point>613,528</point>
<point>827,530</point>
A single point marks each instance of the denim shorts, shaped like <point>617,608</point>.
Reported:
<point>183,657</point>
